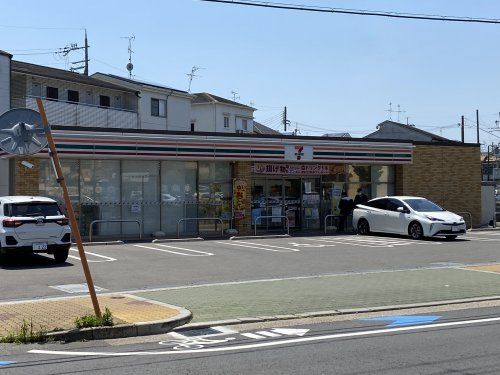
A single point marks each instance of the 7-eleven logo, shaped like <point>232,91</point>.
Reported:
<point>299,152</point>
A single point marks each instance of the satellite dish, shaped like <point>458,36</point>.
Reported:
<point>22,132</point>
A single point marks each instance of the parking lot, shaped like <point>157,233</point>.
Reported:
<point>146,265</point>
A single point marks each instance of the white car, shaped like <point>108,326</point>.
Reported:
<point>413,216</point>
<point>33,225</point>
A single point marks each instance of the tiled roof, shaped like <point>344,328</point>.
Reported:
<point>205,97</point>
<point>142,83</point>
<point>410,129</point>
<point>64,75</point>
<point>262,129</point>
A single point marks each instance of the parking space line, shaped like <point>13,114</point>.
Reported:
<point>106,258</point>
<point>372,241</point>
<point>175,252</point>
<point>483,239</point>
<point>259,246</point>
<point>180,248</point>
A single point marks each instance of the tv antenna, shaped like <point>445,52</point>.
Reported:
<point>130,66</point>
<point>192,75</point>
<point>235,95</point>
<point>390,110</point>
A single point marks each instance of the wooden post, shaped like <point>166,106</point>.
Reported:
<point>69,207</point>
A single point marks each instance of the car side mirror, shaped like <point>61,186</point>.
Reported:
<point>400,209</point>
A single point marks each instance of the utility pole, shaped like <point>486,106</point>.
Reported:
<point>477,125</point>
<point>86,69</point>
<point>285,121</point>
<point>463,129</point>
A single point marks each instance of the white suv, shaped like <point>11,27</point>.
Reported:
<point>33,225</point>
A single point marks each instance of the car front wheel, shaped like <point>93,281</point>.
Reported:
<point>363,227</point>
<point>416,232</point>
<point>60,256</point>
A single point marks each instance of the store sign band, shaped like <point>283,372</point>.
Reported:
<point>292,169</point>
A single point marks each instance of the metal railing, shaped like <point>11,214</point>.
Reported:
<point>199,219</point>
<point>273,217</point>
<point>114,221</point>
<point>326,218</point>
<point>468,214</point>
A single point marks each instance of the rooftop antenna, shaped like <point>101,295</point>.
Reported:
<point>235,95</point>
<point>130,66</point>
<point>390,110</point>
<point>399,112</point>
<point>192,75</point>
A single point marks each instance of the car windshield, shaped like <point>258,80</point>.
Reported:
<point>423,205</point>
<point>32,209</point>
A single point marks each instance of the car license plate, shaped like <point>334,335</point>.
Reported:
<point>39,246</point>
<point>455,229</point>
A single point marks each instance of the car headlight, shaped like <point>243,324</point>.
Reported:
<point>433,218</point>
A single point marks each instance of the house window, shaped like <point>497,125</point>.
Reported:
<point>158,108</point>
<point>244,124</point>
<point>192,126</point>
<point>104,101</point>
<point>52,93</point>
<point>226,121</point>
<point>73,96</point>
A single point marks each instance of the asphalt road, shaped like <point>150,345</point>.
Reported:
<point>442,342</point>
<point>145,265</point>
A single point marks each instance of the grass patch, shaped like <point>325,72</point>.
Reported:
<point>26,334</point>
<point>88,321</point>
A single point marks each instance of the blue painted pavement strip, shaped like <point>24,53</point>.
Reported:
<point>6,363</point>
<point>404,320</point>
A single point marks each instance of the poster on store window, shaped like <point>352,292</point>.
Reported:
<point>336,195</point>
<point>239,198</point>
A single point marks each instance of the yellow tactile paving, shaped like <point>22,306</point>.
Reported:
<point>488,268</point>
<point>61,314</point>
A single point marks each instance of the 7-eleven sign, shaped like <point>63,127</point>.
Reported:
<point>298,152</point>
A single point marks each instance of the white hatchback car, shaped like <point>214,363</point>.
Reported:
<point>33,225</point>
<point>414,216</point>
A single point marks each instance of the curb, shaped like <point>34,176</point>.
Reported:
<point>236,238</point>
<point>123,330</point>
<point>315,314</point>
<point>160,240</point>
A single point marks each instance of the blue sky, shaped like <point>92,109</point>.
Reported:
<point>333,72</point>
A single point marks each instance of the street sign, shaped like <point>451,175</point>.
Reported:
<point>22,132</point>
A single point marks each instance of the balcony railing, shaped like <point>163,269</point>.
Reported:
<point>84,115</point>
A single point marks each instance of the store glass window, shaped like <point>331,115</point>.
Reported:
<point>100,186</point>
<point>178,195</point>
<point>214,193</point>
<point>141,195</point>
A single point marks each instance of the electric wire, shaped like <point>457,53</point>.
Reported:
<point>358,12</point>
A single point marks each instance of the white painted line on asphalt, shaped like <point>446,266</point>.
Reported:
<point>483,239</point>
<point>266,245</point>
<point>174,252</point>
<point>271,343</point>
<point>260,247</point>
<point>268,334</point>
<point>106,258</point>
<point>204,253</point>
<point>252,336</point>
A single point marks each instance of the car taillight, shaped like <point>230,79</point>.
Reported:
<point>12,223</point>
<point>64,221</point>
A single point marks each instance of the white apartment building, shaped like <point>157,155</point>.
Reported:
<point>212,113</point>
<point>160,107</point>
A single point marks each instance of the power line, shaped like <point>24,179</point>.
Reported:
<point>358,12</point>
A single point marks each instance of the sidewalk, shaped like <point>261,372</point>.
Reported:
<point>132,316</point>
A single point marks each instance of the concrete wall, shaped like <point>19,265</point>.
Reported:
<point>210,117</point>
<point>488,204</point>
<point>447,175</point>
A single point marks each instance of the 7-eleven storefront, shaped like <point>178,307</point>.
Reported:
<point>159,179</point>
